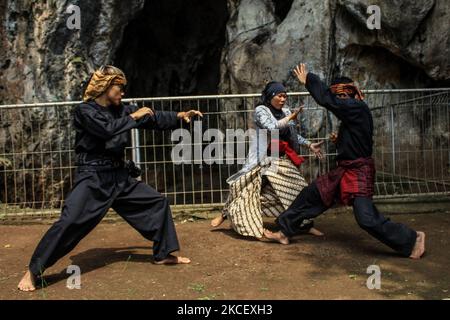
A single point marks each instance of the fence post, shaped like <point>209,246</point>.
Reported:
<point>135,146</point>
<point>392,139</point>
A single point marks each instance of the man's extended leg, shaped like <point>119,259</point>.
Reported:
<point>395,235</point>
<point>83,209</point>
<point>307,205</point>
<point>149,213</point>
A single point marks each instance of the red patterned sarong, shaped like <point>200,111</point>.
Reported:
<point>352,178</point>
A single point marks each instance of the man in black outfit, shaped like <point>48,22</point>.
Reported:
<point>352,182</point>
<point>103,181</point>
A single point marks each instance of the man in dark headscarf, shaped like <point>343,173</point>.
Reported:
<point>352,182</point>
<point>103,179</point>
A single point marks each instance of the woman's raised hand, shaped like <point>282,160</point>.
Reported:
<point>315,148</point>
<point>296,112</point>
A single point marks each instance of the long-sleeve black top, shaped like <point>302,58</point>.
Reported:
<point>355,136</point>
<point>104,131</point>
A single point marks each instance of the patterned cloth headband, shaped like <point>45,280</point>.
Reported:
<point>347,89</point>
<point>100,82</point>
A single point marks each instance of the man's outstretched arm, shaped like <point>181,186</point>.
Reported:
<point>97,124</point>
<point>163,120</point>
<point>318,90</point>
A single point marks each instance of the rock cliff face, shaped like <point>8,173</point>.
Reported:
<point>174,47</point>
<point>201,47</point>
<point>410,50</point>
<point>42,59</point>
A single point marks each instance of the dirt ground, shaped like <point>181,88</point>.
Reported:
<point>116,264</point>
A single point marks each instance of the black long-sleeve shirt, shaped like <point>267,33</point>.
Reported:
<point>355,136</point>
<point>104,131</point>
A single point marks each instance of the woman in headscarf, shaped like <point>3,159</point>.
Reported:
<point>270,179</point>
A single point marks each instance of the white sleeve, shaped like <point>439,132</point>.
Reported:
<point>264,119</point>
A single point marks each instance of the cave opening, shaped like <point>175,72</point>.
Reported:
<point>281,8</point>
<point>174,48</point>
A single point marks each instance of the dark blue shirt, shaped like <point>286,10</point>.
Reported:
<point>104,131</point>
<point>355,136</point>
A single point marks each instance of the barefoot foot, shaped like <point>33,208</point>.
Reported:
<point>276,236</point>
<point>173,260</point>
<point>217,221</point>
<point>419,247</point>
<point>315,232</point>
<point>28,282</point>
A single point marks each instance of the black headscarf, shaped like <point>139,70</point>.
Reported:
<point>272,89</point>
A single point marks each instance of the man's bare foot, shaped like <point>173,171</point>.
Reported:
<point>28,282</point>
<point>217,221</point>
<point>173,260</point>
<point>315,232</point>
<point>419,247</point>
<point>276,236</point>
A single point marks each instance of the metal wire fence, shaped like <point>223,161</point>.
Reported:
<point>411,148</point>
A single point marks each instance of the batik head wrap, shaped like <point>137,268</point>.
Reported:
<point>101,80</point>
<point>345,87</point>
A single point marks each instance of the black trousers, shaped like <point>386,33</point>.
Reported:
<point>308,205</point>
<point>94,192</point>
